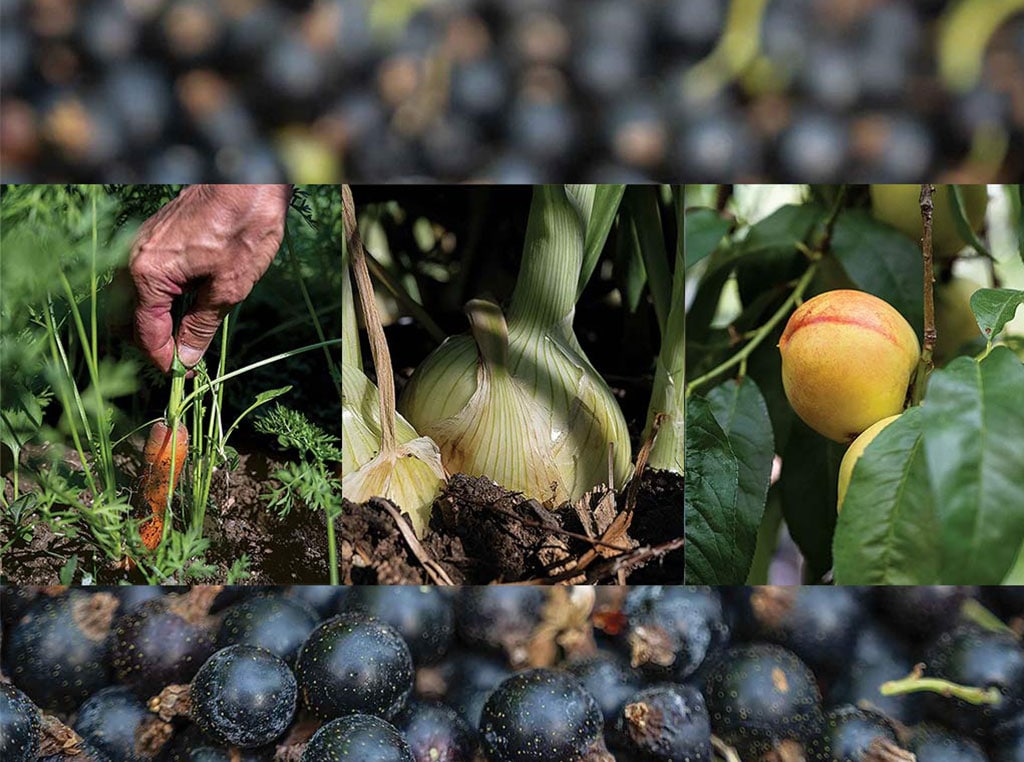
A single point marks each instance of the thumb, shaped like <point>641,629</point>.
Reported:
<point>198,327</point>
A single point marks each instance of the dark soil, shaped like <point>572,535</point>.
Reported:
<point>289,549</point>
<point>480,533</point>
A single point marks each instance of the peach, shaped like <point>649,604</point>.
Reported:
<point>847,359</point>
<point>853,455</point>
<point>900,206</point>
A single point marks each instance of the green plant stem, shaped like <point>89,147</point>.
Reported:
<point>794,299</point>
<point>213,383</point>
<point>296,271</point>
<point>915,683</point>
<point>545,290</point>
<point>60,359</point>
<point>668,395</point>
<point>791,301</point>
<point>332,551</point>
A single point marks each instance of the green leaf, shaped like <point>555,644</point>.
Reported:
<point>67,571</point>
<point>704,230</point>
<point>993,308</point>
<point>606,206</point>
<point>810,475</point>
<point>888,532</point>
<point>264,397</point>
<point>709,502</point>
<point>1016,573</point>
<point>641,205</point>
<point>783,229</point>
<point>740,410</point>
<point>973,429</point>
<point>882,261</point>
<point>765,366</point>
<point>629,270</point>
<point>769,255</point>
<point>21,417</point>
<point>963,227</point>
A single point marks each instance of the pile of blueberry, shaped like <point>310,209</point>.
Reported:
<point>505,90</point>
<point>251,90</point>
<point>513,674</point>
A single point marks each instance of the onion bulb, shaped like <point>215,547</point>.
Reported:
<point>381,456</point>
<point>409,474</point>
<point>518,401</point>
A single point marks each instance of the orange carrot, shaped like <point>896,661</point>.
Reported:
<point>157,479</point>
<point>152,531</point>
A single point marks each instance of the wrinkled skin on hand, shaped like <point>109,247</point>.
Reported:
<point>217,240</point>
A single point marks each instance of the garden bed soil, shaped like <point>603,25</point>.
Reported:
<point>480,534</point>
<point>290,549</point>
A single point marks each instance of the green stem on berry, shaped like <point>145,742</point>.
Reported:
<point>915,682</point>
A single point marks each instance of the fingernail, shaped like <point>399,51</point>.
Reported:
<point>189,356</point>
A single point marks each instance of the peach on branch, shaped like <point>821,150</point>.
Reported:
<point>847,360</point>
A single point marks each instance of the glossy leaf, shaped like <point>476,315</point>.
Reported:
<point>993,308</point>
<point>888,531</point>
<point>712,485</point>
<point>881,261</point>
<point>973,427</point>
<point>963,226</point>
<point>742,413</point>
<point>704,230</point>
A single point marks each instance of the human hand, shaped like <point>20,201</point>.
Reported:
<point>215,239</point>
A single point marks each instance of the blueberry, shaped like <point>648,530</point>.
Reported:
<point>436,732</point>
<point>609,679</point>
<point>498,618</point>
<point>540,715</point>
<point>351,664</point>
<point>762,696</point>
<point>473,677</point>
<point>879,655</point>
<point>19,725</point>
<point>244,696</point>
<point>971,656</point>
<point>116,723</point>
<point>1007,748</point>
<point>423,616</point>
<point>922,612</point>
<point>323,598</point>
<point>359,738</point>
<point>673,630</point>
<point>818,624</point>
<point>276,623</point>
<point>665,723</point>
<point>58,649</point>
<point>162,643</point>
<point>856,735</point>
<point>932,743</point>
<point>814,147</point>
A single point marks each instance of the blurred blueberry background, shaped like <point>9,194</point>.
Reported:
<point>511,90</point>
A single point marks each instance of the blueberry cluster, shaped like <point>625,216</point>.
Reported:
<point>841,91</point>
<point>253,90</point>
<point>507,90</point>
<point>513,674</point>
